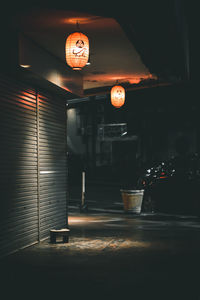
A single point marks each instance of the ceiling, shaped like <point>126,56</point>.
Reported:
<point>137,47</point>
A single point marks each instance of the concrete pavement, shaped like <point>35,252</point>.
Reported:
<point>109,256</point>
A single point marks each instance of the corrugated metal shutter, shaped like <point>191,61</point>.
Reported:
<point>52,163</point>
<point>18,166</point>
<point>33,165</point>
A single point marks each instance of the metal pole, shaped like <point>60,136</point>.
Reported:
<point>83,189</point>
<point>83,206</point>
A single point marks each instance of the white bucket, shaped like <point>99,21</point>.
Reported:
<point>132,200</point>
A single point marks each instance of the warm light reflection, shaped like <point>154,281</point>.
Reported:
<point>91,219</point>
<point>102,79</point>
<point>78,244</point>
<point>66,89</point>
<point>54,78</point>
<point>42,99</point>
<point>80,20</point>
<point>134,80</point>
<point>27,100</point>
<point>106,242</point>
<point>61,81</point>
<point>25,66</point>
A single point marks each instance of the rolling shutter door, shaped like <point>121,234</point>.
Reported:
<point>33,165</point>
<point>18,166</point>
<point>52,163</point>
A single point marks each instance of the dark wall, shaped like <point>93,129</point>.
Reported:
<point>157,116</point>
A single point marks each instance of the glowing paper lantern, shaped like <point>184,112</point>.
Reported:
<point>77,50</point>
<point>117,96</point>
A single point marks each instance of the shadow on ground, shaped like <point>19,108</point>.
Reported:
<point>111,256</point>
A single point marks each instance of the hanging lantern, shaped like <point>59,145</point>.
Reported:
<point>77,50</point>
<point>117,96</point>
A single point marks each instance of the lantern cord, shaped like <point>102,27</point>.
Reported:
<point>117,82</point>
<point>78,27</point>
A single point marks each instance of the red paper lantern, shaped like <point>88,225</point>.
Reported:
<point>117,96</point>
<point>77,50</point>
